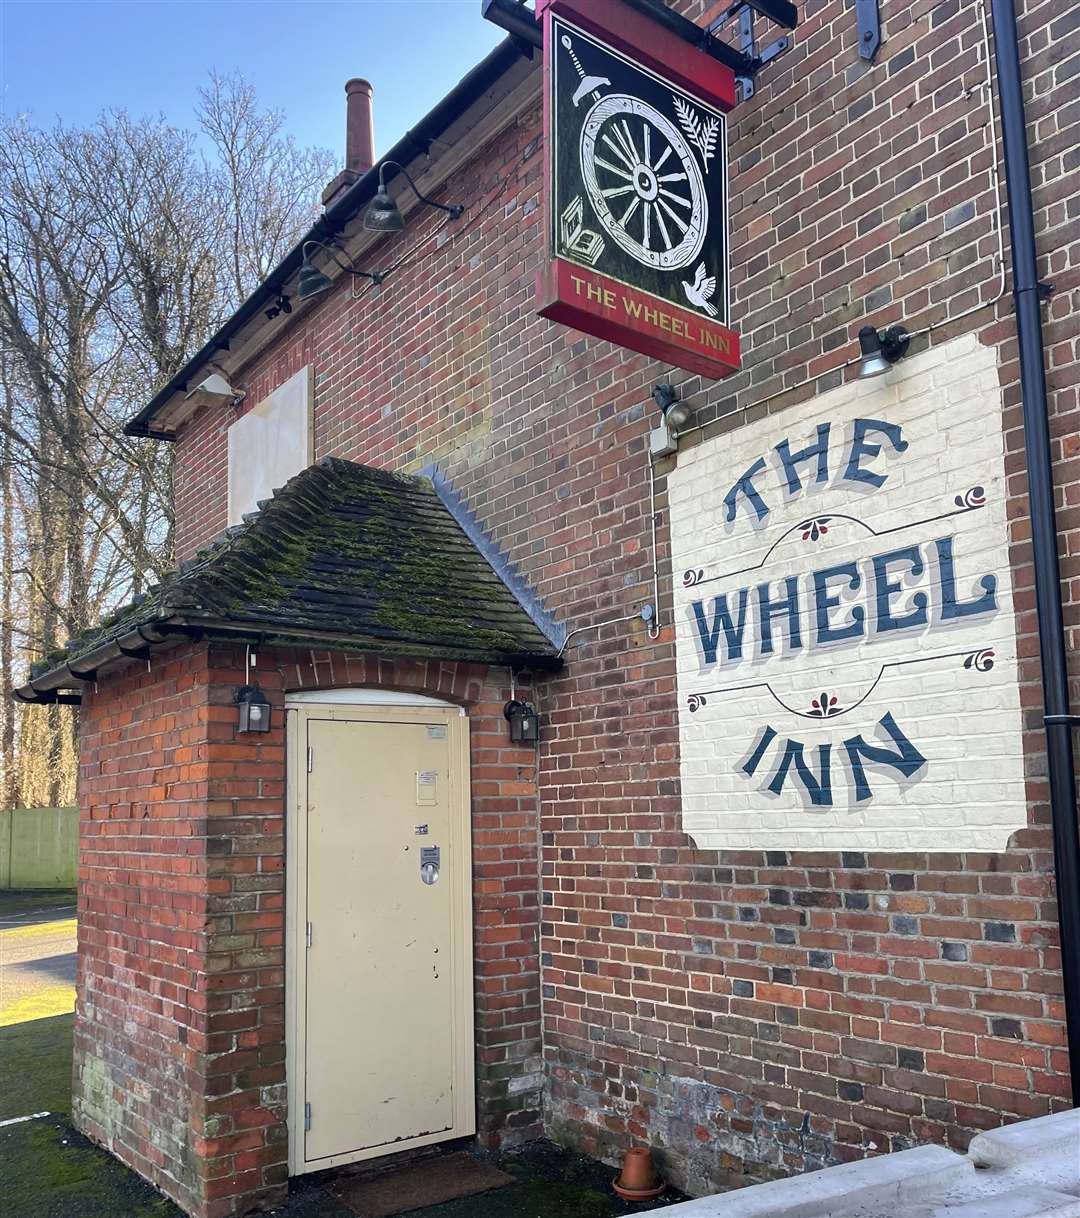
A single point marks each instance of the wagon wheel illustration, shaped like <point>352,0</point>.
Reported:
<point>644,182</point>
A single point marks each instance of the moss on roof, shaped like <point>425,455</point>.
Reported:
<point>371,559</point>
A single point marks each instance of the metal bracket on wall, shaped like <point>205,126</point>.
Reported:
<point>868,24</point>
<point>520,23</point>
<point>744,10</point>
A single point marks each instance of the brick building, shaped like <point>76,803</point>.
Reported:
<point>704,915</point>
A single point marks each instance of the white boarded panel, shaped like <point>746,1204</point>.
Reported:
<point>270,444</point>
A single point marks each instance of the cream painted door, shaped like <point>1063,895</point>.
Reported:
<point>385,971</point>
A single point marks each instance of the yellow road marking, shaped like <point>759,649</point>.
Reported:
<point>50,1000</point>
<point>61,926</point>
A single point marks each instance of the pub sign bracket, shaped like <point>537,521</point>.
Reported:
<point>868,25</point>
<point>747,44</point>
<point>520,23</point>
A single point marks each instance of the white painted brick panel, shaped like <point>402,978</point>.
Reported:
<point>961,713</point>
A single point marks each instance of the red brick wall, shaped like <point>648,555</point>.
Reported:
<point>140,1027</point>
<point>180,1046</point>
<point>747,1013</point>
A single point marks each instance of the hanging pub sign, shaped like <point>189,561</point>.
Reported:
<point>636,185</point>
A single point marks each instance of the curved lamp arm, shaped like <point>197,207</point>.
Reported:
<point>374,276</point>
<point>454,212</point>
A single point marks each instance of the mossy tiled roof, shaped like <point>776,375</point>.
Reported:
<point>342,556</point>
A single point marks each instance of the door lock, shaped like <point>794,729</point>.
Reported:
<point>430,858</point>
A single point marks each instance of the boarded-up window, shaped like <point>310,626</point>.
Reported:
<point>270,444</point>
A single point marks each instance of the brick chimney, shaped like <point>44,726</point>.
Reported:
<point>359,139</point>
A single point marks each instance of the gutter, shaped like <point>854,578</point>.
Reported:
<point>414,143</point>
<point>135,645</point>
<point>1058,718</point>
<point>138,644</point>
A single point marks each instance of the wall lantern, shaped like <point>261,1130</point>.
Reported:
<point>675,416</point>
<point>383,214</point>
<point>254,709</point>
<point>524,722</point>
<point>312,281</point>
<point>881,349</point>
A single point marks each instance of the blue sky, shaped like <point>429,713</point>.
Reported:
<point>74,59</point>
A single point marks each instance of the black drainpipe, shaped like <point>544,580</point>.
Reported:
<point>1058,717</point>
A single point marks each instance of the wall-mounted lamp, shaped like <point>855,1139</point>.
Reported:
<point>282,305</point>
<point>312,281</point>
<point>675,415</point>
<point>524,722</point>
<point>881,349</point>
<point>254,709</point>
<point>382,214</point>
<point>216,389</point>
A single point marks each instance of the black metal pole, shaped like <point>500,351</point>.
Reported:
<point>1055,677</point>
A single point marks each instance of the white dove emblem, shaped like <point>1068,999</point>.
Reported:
<point>702,290</point>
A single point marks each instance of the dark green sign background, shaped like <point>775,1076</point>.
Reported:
<point>640,168</point>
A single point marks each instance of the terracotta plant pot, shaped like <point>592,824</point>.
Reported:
<point>638,1181</point>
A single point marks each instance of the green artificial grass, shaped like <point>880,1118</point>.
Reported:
<point>49,1171</point>
<point>35,1067</point>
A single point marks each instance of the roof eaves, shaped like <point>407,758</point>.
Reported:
<point>415,142</point>
<point>199,599</point>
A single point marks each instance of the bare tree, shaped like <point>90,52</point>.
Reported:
<point>267,183</point>
<point>122,247</point>
<point>9,786</point>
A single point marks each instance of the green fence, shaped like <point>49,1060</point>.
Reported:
<point>39,847</point>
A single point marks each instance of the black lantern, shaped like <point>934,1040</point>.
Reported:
<point>880,349</point>
<point>254,709</point>
<point>311,281</point>
<point>383,214</point>
<point>524,722</point>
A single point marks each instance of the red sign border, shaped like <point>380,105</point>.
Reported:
<point>648,43</point>
<point>558,297</point>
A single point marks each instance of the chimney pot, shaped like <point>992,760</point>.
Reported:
<point>359,127</point>
<point>359,139</point>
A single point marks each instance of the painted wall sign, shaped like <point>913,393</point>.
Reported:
<point>636,185</point>
<point>845,631</point>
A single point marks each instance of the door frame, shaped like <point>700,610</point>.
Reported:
<point>382,706</point>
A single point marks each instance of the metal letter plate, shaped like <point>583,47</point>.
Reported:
<point>437,732</point>
<point>427,787</point>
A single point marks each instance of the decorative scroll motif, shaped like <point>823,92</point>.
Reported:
<point>815,528</point>
<point>980,661</point>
